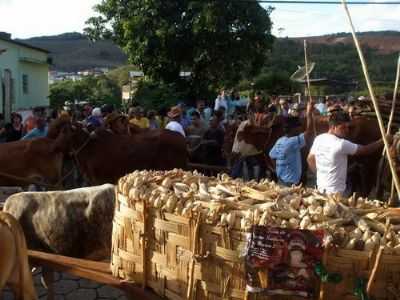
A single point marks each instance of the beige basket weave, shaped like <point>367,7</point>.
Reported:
<point>179,258</point>
<point>168,265</point>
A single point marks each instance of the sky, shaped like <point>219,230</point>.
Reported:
<point>297,20</point>
<point>29,18</point>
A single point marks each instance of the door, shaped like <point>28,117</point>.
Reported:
<point>7,82</point>
<point>3,96</point>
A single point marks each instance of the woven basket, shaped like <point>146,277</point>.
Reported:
<point>179,258</point>
<point>168,265</point>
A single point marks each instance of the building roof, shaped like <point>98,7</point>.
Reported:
<point>23,44</point>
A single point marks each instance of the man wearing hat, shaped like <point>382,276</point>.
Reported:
<point>287,150</point>
<point>116,123</point>
<point>175,116</point>
<point>137,118</point>
<point>329,153</point>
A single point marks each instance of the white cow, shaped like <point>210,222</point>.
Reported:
<point>75,223</point>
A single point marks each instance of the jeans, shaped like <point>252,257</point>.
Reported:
<point>249,167</point>
<point>288,184</point>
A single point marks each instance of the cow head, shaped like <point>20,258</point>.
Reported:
<point>255,135</point>
<point>79,136</point>
<point>67,135</point>
<point>62,141</point>
<point>57,125</point>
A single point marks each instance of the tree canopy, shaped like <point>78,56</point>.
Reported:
<point>95,90</point>
<point>219,42</point>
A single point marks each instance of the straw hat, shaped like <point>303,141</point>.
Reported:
<point>175,111</point>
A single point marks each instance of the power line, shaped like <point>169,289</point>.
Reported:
<point>320,2</point>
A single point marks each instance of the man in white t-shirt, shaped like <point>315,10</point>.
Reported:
<point>175,115</point>
<point>329,152</point>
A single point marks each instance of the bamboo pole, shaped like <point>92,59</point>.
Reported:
<point>396,86</point>
<point>377,260</point>
<point>307,75</point>
<point>375,103</point>
<point>374,270</point>
<point>382,160</point>
<point>309,85</point>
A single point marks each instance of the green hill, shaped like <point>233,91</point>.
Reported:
<point>334,54</point>
<point>74,52</point>
<point>335,60</point>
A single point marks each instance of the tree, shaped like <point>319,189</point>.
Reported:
<point>121,75</point>
<point>274,83</point>
<point>60,92</point>
<point>96,90</point>
<point>219,42</point>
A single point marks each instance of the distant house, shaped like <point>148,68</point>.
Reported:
<point>23,76</point>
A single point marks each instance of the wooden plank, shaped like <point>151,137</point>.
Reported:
<point>92,270</point>
<point>48,259</point>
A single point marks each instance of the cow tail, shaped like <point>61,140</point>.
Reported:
<point>27,289</point>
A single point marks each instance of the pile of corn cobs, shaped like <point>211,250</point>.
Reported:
<point>358,224</point>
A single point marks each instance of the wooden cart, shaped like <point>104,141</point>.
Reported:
<point>92,270</point>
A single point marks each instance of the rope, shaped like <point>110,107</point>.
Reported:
<point>26,180</point>
<point>76,152</point>
<point>195,246</point>
<point>37,182</point>
<point>318,2</point>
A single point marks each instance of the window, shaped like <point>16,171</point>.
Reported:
<point>25,84</point>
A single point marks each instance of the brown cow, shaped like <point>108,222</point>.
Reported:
<point>104,157</point>
<point>252,142</point>
<point>14,266</point>
<point>31,161</point>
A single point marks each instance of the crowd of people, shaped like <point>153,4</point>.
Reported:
<point>33,126</point>
<point>204,127</point>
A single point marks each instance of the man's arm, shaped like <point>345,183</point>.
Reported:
<point>312,163</point>
<point>216,104</point>
<point>309,129</point>
<point>272,153</point>
<point>369,149</point>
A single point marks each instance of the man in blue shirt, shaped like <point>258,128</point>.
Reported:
<point>41,127</point>
<point>287,150</point>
